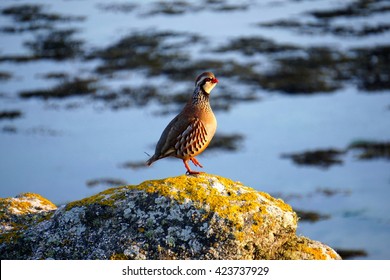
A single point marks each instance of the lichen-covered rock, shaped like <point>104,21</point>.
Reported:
<point>22,211</point>
<point>187,217</point>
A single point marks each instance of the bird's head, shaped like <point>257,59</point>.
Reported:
<point>206,81</point>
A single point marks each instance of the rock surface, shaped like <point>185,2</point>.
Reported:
<point>186,217</point>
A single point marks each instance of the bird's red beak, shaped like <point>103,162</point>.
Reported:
<point>215,81</point>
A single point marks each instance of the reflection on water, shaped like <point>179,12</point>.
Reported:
<point>86,87</point>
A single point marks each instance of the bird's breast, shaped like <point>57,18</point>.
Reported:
<point>210,126</point>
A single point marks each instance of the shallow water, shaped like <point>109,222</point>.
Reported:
<point>59,145</point>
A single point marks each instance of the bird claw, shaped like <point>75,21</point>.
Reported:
<point>196,162</point>
<point>191,172</point>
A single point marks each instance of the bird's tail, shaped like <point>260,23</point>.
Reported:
<point>150,160</point>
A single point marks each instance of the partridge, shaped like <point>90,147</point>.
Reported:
<point>191,131</point>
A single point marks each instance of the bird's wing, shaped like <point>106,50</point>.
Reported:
<point>192,139</point>
<point>166,144</point>
<point>182,137</point>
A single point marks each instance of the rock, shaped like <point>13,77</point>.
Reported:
<point>23,211</point>
<point>186,217</point>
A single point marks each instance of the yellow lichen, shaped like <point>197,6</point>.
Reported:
<point>26,203</point>
<point>42,200</point>
<point>119,256</point>
<point>316,253</point>
<point>239,202</point>
<point>234,202</point>
<point>107,197</point>
<point>303,248</point>
<point>333,255</point>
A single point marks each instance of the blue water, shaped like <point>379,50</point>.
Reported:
<point>56,150</point>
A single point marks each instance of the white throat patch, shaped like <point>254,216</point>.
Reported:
<point>208,86</point>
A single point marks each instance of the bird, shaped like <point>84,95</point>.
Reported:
<point>190,132</point>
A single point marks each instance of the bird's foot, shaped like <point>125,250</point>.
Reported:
<point>192,172</point>
<point>189,171</point>
<point>196,162</point>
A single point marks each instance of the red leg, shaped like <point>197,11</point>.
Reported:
<point>196,162</point>
<point>189,171</point>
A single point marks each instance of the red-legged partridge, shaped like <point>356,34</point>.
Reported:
<point>191,131</point>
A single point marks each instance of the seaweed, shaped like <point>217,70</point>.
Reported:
<point>67,88</point>
<point>170,8</point>
<point>316,72</point>
<point>128,97</point>
<point>178,7</point>
<point>347,254</point>
<point>325,27</point>
<point>133,165</point>
<point>371,67</point>
<point>322,158</point>
<point>9,129</point>
<point>110,182</point>
<point>4,76</point>
<point>147,51</point>
<point>368,150</point>
<point>354,9</point>
<point>226,142</point>
<point>299,71</point>
<point>117,7</point>
<point>311,216</point>
<point>32,17</point>
<point>10,114</point>
<point>255,45</point>
<point>57,45</point>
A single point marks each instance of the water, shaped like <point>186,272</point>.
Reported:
<point>59,145</point>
